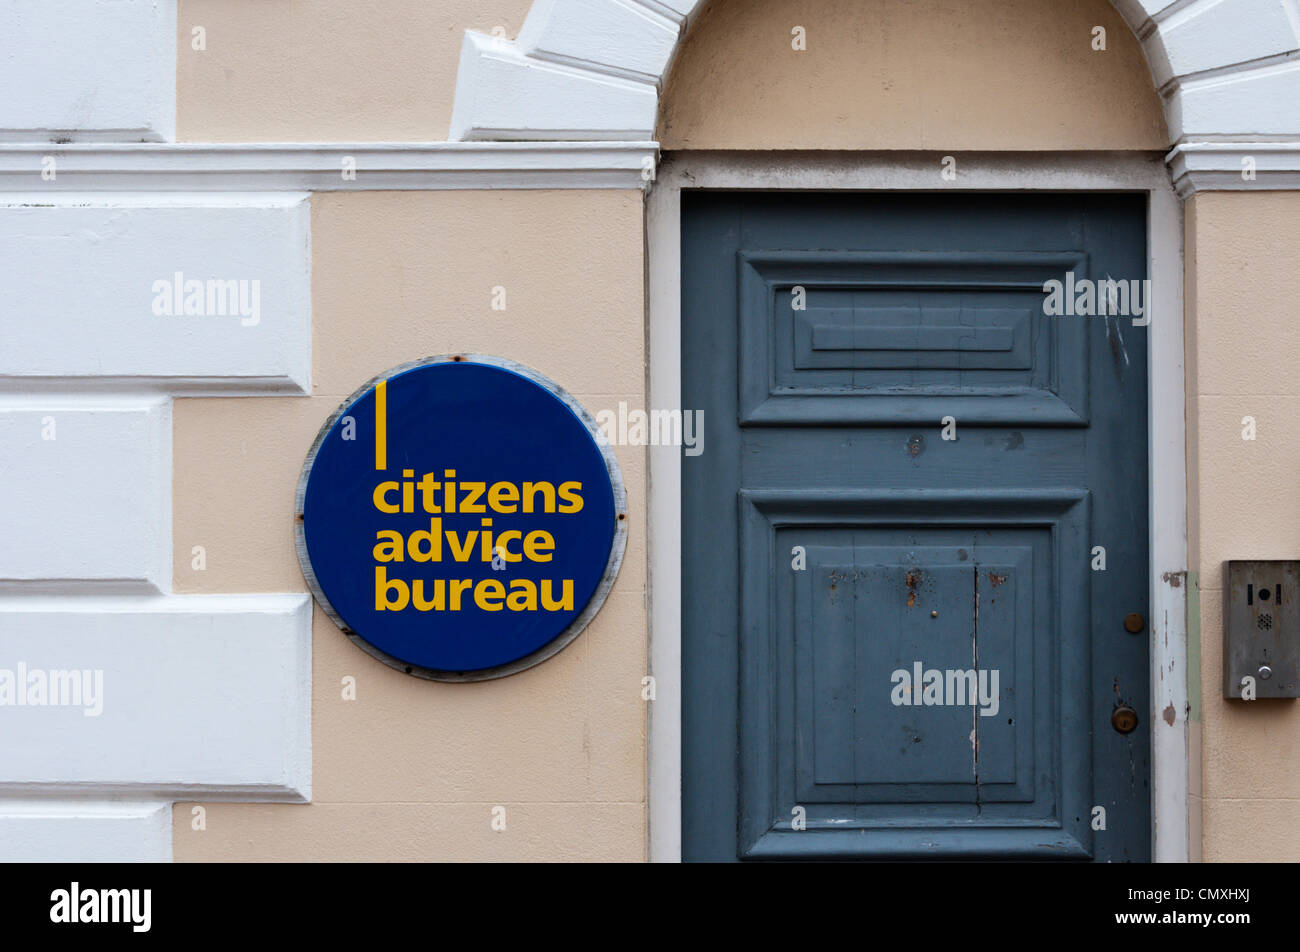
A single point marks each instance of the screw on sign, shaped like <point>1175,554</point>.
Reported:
<point>472,524</point>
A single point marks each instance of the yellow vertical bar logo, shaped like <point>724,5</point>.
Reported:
<point>381,425</point>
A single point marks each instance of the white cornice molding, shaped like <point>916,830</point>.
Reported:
<point>1234,166</point>
<point>321,167</point>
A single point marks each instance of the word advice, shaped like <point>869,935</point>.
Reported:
<point>435,497</point>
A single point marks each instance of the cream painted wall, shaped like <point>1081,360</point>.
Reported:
<point>400,275</point>
<point>325,70</point>
<point>877,74</point>
<point>411,769</point>
<point>1243,255</point>
<point>910,74</point>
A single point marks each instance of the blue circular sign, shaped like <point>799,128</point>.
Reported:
<point>461,518</point>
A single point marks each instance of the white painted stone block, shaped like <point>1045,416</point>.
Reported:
<point>166,696</point>
<point>77,831</point>
<point>1211,35</point>
<point>1252,103</point>
<point>94,283</point>
<point>85,492</point>
<point>88,69</point>
<point>618,35</point>
<point>502,94</point>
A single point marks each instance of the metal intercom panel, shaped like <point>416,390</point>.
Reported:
<point>1261,630</point>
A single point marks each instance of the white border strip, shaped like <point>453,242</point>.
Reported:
<point>1167,513</point>
<point>325,167</point>
<point>664,517</point>
<point>1168,505</point>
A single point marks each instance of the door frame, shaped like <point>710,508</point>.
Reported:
<point>1166,450</point>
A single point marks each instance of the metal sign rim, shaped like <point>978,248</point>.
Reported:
<point>612,565</point>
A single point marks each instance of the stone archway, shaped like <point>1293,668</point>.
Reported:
<point>1226,70</point>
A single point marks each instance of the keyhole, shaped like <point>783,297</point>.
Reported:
<point>1124,719</point>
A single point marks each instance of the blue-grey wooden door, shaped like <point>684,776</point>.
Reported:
<point>917,526</point>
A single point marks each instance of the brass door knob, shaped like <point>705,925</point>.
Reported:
<point>1124,719</point>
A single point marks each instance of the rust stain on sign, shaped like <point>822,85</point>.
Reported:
<point>1169,715</point>
<point>913,580</point>
<point>996,579</point>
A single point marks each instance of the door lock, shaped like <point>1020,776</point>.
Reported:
<point>1124,719</point>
